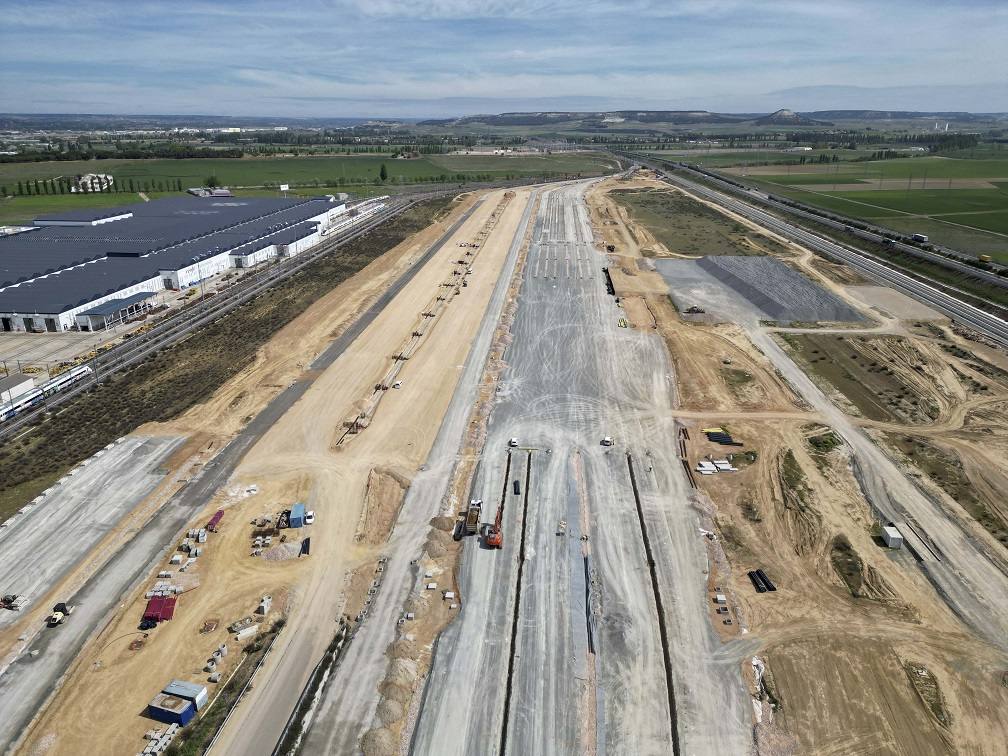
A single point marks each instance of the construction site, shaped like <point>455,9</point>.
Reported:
<point>582,467</point>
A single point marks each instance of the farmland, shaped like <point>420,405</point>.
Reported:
<point>323,170</point>
<point>958,203</point>
<point>357,174</point>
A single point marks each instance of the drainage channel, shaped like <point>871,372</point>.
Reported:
<point>662,629</point>
<point>517,605</point>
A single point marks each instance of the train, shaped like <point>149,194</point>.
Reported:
<point>38,395</point>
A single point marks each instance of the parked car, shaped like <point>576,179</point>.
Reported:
<point>309,517</point>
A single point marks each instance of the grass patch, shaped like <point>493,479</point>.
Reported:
<point>848,565</point>
<point>824,443</point>
<point>687,226</point>
<point>736,378</point>
<point>946,469</point>
<point>926,684</point>
<point>171,382</point>
<point>857,368</point>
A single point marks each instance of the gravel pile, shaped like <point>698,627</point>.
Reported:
<point>781,292</point>
<point>282,552</point>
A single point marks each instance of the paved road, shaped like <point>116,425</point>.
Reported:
<point>973,317</point>
<point>28,682</point>
<point>574,376</point>
<point>38,548</point>
<point>347,708</point>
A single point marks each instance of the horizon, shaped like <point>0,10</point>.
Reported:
<point>452,58</point>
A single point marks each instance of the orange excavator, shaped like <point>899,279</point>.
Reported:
<point>494,537</point>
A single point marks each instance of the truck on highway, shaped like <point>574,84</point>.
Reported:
<point>922,238</point>
<point>472,521</point>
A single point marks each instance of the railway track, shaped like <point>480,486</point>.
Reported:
<point>187,321</point>
<point>979,320</point>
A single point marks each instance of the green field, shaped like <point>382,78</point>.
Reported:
<point>358,175</point>
<point>970,220</point>
<point>685,226</point>
<point>323,170</point>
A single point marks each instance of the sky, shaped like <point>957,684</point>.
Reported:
<point>438,58</point>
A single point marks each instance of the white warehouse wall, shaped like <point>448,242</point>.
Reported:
<point>193,274</point>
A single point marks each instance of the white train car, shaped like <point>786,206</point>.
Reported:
<point>38,395</point>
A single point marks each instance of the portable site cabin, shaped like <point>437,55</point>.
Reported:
<point>171,709</point>
<point>188,691</point>
<point>297,515</point>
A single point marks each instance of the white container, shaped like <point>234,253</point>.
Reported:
<point>892,537</point>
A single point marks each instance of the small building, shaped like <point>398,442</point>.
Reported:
<point>892,537</point>
<point>297,515</point>
<point>171,709</point>
<point>14,385</point>
<point>188,691</point>
<point>113,312</point>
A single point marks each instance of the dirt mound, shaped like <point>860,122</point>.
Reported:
<point>801,520</point>
<point>402,672</point>
<point>378,742</point>
<point>446,524</point>
<point>390,712</point>
<point>394,692</point>
<point>402,649</point>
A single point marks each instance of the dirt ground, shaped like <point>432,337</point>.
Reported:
<point>861,655</point>
<point>295,461</point>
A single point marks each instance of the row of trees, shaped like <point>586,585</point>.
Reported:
<point>62,185</point>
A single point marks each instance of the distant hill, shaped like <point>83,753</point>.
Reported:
<point>596,120</point>
<point>684,117</point>
<point>785,117</point>
<point>900,115</point>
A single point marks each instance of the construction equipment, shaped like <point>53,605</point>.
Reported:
<point>494,536</point>
<point>472,520</point>
<point>694,310</point>
<point>60,612</point>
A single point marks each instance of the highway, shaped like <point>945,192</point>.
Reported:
<point>983,322</point>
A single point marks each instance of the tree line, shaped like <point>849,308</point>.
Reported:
<point>63,185</point>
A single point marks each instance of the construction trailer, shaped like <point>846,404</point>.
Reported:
<point>171,709</point>
<point>215,521</point>
<point>892,537</point>
<point>188,691</point>
<point>297,516</point>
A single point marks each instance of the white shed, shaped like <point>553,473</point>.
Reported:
<point>892,537</point>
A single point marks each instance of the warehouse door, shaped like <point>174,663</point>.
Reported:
<point>7,325</point>
<point>50,324</point>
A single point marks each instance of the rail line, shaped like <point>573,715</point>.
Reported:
<point>185,322</point>
<point>662,628</point>
<point>509,685</point>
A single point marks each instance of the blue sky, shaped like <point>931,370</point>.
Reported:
<point>453,57</point>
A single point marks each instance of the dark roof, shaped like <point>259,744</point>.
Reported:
<point>86,215</point>
<point>112,306</point>
<point>82,263</point>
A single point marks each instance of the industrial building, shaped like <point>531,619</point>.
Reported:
<point>15,385</point>
<point>90,269</point>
